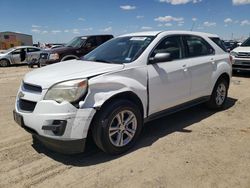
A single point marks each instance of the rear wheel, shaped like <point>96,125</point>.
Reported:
<point>4,63</point>
<point>219,94</point>
<point>117,127</point>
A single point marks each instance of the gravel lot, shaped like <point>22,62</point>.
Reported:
<point>192,148</point>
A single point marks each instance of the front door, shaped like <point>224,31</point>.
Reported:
<point>19,55</point>
<point>169,82</point>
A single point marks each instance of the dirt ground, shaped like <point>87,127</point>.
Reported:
<point>192,148</point>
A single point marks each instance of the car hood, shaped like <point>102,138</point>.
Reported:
<point>60,50</point>
<point>2,54</point>
<point>242,49</point>
<point>68,70</point>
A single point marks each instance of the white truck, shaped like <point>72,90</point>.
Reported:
<point>123,83</point>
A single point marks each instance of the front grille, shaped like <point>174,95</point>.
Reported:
<point>44,55</point>
<point>32,88</point>
<point>27,105</point>
<point>243,55</point>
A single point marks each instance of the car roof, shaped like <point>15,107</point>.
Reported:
<point>101,35</point>
<point>155,33</point>
<point>19,47</point>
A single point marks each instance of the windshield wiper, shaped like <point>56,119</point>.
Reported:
<point>102,61</point>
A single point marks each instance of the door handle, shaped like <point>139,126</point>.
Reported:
<point>184,67</point>
<point>212,61</point>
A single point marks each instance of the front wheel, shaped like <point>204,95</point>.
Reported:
<point>4,63</point>
<point>117,127</point>
<point>219,95</point>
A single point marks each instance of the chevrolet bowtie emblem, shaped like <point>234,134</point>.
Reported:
<point>20,94</point>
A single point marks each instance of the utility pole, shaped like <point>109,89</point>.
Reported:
<point>193,26</point>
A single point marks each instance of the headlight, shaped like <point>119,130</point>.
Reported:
<point>232,53</point>
<point>54,56</point>
<point>70,91</point>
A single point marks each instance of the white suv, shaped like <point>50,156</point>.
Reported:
<point>241,57</point>
<point>120,85</point>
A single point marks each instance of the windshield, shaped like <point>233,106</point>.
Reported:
<point>246,43</point>
<point>120,50</point>
<point>76,42</point>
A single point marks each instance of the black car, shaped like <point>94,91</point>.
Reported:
<point>75,49</point>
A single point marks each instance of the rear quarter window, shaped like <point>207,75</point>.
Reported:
<point>219,43</point>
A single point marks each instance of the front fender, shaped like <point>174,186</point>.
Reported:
<point>103,87</point>
<point>7,58</point>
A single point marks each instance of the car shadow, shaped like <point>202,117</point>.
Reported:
<point>244,74</point>
<point>18,65</point>
<point>152,131</point>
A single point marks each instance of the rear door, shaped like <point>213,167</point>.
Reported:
<point>33,54</point>
<point>169,82</point>
<point>200,62</point>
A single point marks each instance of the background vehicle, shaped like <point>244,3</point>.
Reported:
<point>230,45</point>
<point>18,55</point>
<point>56,46</point>
<point>241,57</point>
<point>129,80</point>
<point>75,49</point>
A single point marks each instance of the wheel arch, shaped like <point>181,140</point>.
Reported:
<point>126,95</point>
<point>6,60</point>
<point>69,57</point>
<point>225,76</point>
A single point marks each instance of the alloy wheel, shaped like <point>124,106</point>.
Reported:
<point>122,128</point>
<point>220,94</point>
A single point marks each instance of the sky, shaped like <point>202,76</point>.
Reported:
<point>58,21</point>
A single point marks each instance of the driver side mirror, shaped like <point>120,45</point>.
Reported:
<point>160,58</point>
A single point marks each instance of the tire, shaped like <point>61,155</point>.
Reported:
<point>219,95</point>
<point>111,136</point>
<point>4,63</point>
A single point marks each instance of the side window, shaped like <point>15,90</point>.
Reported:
<point>170,45</point>
<point>33,50</point>
<point>91,42</point>
<point>100,40</point>
<point>18,51</point>
<point>6,37</point>
<point>219,42</point>
<point>197,46</point>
